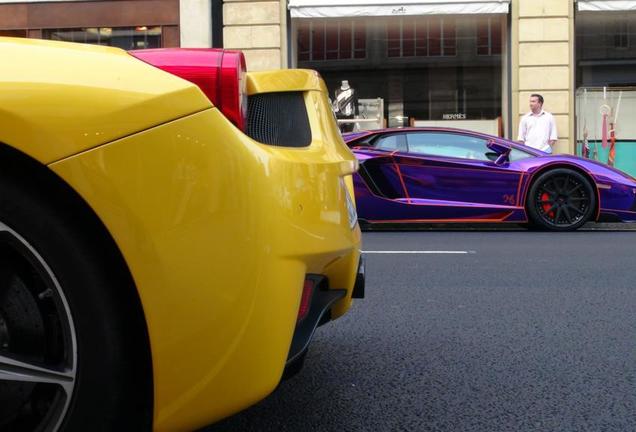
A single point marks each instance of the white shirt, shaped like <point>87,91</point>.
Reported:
<point>538,130</point>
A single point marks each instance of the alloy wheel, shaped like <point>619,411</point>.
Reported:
<point>562,200</point>
<point>38,348</point>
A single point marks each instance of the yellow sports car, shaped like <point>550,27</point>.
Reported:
<point>172,231</point>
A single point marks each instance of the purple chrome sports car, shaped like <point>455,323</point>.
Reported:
<point>449,175</point>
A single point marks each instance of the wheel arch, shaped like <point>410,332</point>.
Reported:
<point>16,166</point>
<point>566,165</point>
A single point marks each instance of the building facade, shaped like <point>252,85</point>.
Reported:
<point>128,24</point>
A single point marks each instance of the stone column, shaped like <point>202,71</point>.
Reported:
<point>195,23</point>
<point>543,62</point>
<point>256,27</point>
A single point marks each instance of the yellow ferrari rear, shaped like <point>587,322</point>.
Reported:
<point>220,233</point>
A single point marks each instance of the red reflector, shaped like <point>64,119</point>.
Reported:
<point>305,301</point>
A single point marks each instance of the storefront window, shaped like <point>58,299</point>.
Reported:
<point>13,33</point>
<point>127,38</point>
<point>606,87</point>
<point>410,37</point>
<point>325,40</point>
<point>621,38</point>
<point>605,48</point>
<point>409,70</point>
<point>488,37</point>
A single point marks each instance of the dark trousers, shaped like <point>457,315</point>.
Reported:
<point>346,127</point>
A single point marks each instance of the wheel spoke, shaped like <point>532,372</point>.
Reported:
<point>568,217</point>
<point>575,188</point>
<point>564,185</point>
<point>558,215</point>
<point>578,199</point>
<point>16,370</point>
<point>575,209</point>
<point>551,191</point>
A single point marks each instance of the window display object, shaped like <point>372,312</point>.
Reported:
<point>345,106</point>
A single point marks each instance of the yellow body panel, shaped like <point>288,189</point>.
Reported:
<point>293,80</point>
<point>219,232</point>
<point>88,96</point>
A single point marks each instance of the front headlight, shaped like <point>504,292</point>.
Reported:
<point>351,207</point>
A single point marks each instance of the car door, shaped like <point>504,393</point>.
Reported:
<point>457,171</point>
<point>380,171</point>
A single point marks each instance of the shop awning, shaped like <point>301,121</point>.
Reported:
<point>366,8</point>
<point>606,5</point>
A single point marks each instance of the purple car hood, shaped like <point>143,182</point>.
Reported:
<point>598,170</point>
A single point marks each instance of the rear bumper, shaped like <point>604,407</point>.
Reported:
<point>360,285</point>
<point>322,299</point>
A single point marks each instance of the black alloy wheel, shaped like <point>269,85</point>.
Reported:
<point>38,351</point>
<point>561,200</point>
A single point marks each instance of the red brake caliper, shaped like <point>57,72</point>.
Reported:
<point>546,206</point>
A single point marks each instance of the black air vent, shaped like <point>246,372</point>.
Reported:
<point>279,119</point>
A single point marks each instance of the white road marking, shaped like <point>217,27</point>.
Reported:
<point>415,252</point>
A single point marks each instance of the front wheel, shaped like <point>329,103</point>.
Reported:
<point>560,200</point>
<point>38,341</point>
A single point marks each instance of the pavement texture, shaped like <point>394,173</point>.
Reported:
<point>590,226</point>
<point>526,331</point>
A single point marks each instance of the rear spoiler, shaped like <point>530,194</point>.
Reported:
<point>284,80</point>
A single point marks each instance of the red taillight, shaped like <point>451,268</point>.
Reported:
<point>220,74</point>
<point>233,91</point>
<point>305,301</point>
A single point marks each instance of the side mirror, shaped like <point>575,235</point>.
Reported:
<point>502,151</point>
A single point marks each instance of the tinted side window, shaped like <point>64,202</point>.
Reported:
<point>449,145</point>
<point>517,154</point>
<point>391,142</point>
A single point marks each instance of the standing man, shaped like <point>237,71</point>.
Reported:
<point>537,129</point>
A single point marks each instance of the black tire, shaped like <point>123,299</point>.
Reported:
<point>561,199</point>
<point>364,225</point>
<point>76,316</point>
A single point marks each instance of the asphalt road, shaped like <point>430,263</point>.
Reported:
<point>525,331</point>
